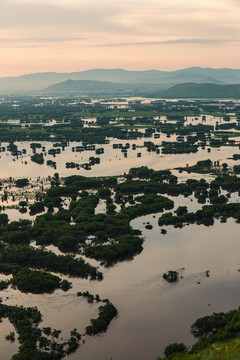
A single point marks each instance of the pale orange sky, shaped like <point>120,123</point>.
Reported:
<point>74,35</point>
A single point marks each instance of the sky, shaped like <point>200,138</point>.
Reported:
<point>76,35</point>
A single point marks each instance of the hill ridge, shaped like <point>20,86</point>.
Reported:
<point>204,90</point>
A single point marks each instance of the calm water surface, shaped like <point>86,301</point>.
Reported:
<point>112,162</point>
<point>152,312</point>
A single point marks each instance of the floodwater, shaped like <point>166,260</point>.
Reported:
<point>112,162</point>
<point>151,312</point>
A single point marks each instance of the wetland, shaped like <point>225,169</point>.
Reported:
<point>99,199</point>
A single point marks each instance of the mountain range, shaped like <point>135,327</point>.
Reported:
<point>124,79</point>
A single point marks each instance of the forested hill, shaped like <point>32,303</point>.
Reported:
<point>202,91</point>
<point>90,86</point>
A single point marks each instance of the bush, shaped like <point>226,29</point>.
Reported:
<point>174,348</point>
<point>171,276</point>
<point>21,182</point>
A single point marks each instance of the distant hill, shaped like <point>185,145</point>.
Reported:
<point>97,87</point>
<point>163,79</point>
<point>202,91</point>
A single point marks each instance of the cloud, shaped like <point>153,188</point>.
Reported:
<point>40,16</point>
<point>116,33</point>
<point>122,18</point>
<point>169,42</point>
<point>38,39</point>
<point>34,42</point>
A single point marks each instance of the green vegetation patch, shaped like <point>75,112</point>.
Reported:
<point>37,158</point>
<point>37,282</point>
<point>105,316</point>
<point>48,261</point>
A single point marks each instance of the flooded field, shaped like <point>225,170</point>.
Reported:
<point>151,312</point>
<point>112,161</point>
